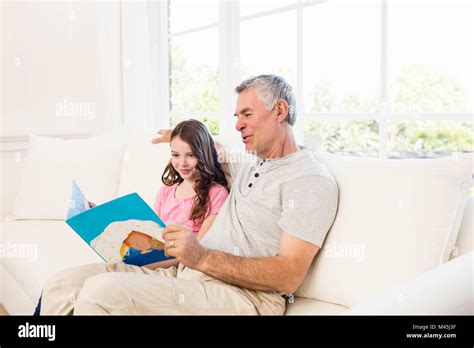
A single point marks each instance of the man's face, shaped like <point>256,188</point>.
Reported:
<point>255,123</point>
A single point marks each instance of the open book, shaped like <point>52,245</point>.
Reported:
<point>124,229</point>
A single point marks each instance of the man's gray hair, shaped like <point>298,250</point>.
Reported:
<point>270,89</point>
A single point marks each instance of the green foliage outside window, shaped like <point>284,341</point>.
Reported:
<point>419,88</point>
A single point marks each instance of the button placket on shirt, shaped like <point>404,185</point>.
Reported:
<point>256,175</point>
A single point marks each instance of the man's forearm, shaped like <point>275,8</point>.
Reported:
<point>266,273</point>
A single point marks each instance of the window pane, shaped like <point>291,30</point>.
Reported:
<point>191,14</point>
<point>268,46</point>
<point>430,55</point>
<point>341,56</point>
<point>248,7</point>
<point>194,71</point>
<point>347,137</point>
<point>429,138</point>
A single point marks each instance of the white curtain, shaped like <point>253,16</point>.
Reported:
<point>139,92</point>
<point>109,67</point>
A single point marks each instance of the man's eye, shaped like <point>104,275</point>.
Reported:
<point>174,155</point>
<point>247,115</point>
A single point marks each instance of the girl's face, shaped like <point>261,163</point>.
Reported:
<point>182,159</point>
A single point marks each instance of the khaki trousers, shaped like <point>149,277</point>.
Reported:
<point>118,288</point>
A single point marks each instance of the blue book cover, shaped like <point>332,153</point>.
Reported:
<point>124,229</point>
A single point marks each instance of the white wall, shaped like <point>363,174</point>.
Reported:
<point>50,68</point>
<point>60,75</point>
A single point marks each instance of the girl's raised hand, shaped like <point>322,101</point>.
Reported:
<point>165,136</point>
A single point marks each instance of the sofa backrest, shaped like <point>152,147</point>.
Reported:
<point>51,164</point>
<point>396,219</point>
<point>142,167</point>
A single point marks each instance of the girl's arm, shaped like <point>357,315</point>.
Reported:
<point>206,225</point>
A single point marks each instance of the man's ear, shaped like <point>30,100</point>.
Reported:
<point>282,110</point>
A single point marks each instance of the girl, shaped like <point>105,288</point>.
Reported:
<point>195,186</point>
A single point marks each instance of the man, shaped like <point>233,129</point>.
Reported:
<point>259,248</point>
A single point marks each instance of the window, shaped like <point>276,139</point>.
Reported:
<point>189,15</point>
<point>354,137</point>
<point>429,78</point>
<point>194,72</point>
<point>430,65</point>
<point>341,46</point>
<point>194,61</point>
<point>268,46</point>
<point>429,138</point>
<point>372,77</point>
<point>252,7</point>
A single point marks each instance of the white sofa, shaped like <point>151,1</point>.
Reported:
<point>398,224</point>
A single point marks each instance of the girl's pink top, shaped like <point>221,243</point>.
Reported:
<point>174,210</point>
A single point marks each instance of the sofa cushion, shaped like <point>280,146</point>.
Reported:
<point>143,166</point>
<point>34,249</point>
<point>52,163</point>
<point>396,219</point>
<point>307,306</point>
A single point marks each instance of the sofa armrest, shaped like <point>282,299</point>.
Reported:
<point>464,242</point>
<point>445,290</point>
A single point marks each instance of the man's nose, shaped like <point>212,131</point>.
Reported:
<point>240,124</point>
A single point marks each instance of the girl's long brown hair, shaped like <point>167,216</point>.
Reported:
<point>209,170</point>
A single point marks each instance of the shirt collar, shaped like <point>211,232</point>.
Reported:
<point>281,161</point>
